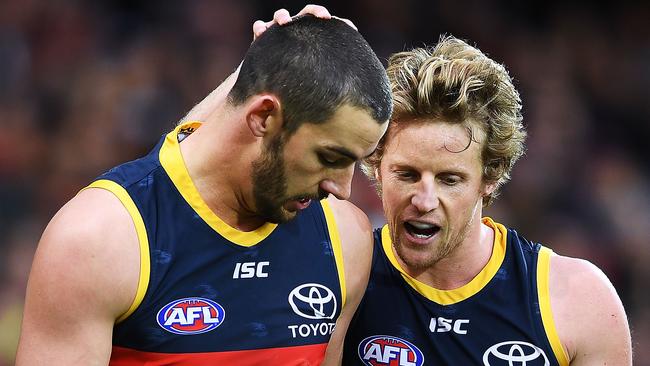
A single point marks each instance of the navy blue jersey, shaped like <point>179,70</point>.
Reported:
<point>209,294</point>
<point>501,317</point>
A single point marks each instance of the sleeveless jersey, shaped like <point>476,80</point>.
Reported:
<point>500,318</point>
<point>209,294</point>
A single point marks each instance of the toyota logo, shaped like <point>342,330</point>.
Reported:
<point>313,301</point>
<point>516,353</point>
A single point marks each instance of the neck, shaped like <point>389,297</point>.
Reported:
<point>218,159</point>
<point>463,263</point>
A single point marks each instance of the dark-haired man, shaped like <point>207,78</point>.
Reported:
<point>219,247</point>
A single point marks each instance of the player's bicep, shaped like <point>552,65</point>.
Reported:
<point>77,286</point>
<point>590,315</point>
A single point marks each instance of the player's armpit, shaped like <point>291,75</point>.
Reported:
<point>84,275</point>
<point>355,232</point>
<point>589,315</point>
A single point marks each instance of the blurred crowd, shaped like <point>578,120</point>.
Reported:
<point>85,85</point>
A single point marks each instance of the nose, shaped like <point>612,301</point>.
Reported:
<point>339,184</point>
<point>425,197</point>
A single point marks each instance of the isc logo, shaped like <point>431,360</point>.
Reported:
<point>250,270</point>
<point>389,351</point>
<point>442,325</point>
<point>192,315</point>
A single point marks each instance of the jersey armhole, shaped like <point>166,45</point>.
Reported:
<point>544,298</point>
<point>335,238</point>
<point>145,266</point>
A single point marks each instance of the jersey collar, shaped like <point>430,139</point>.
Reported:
<point>448,297</point>
<point>172,161</point>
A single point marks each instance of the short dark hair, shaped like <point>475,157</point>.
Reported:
<point>314,66</point>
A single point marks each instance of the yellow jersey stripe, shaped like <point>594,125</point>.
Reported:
<point>172,161</point>
<point>335,238</point>
<point>543,294</point>
<point>448,297</point>
<point>145,264</point>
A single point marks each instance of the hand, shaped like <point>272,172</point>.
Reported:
<point>283,17</point>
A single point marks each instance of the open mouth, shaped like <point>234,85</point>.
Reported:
<point>303,203</point>
<point>297,204</point>
<point>421,230</point>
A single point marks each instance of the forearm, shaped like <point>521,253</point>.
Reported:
<point>202,111</point>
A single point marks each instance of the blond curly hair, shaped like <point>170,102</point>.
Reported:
<point>455,82</point>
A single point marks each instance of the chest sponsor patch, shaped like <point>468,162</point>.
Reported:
<point>389,351</point>
<point>313,301</point>
<point>515,353</point>
<point>191,315</point>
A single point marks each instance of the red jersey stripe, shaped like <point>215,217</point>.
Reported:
<point>290,356</point>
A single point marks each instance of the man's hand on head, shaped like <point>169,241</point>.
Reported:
<point>208,105</point>
<point>283,17</point>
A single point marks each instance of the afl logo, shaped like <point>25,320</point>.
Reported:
<point>313,301</point>
<point>191,315</point>
<point>515,353</point>
<point>389,351</point>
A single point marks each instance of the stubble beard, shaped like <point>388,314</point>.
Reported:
<point>448,243</point>
<point>270,184</point>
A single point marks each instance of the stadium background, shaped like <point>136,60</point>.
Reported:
<point>86,85</point>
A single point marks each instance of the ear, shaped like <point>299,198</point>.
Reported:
<point>378,185</point>
<point>377,175</point>
<point>264,115</point>
<point>488,188</point>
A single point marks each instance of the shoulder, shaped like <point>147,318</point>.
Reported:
<point>579,281</point>
<point>91,243</point>
<point>348,210</point>
<point>84,276</point>
<point>353,225</point>
<point>589,315</point>
<point>355,232</point>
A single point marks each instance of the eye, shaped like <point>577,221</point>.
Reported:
<point>328,160</point>
<point>407,175</point>
<point>450,179</point>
